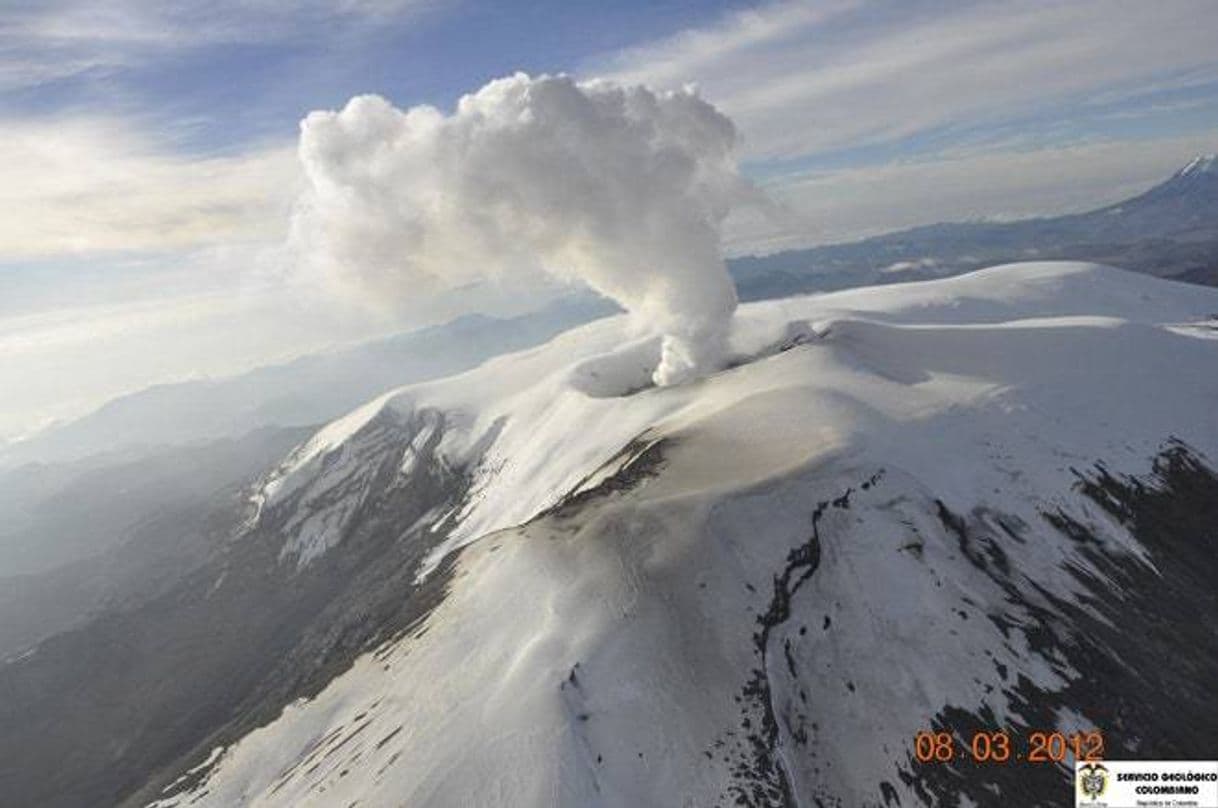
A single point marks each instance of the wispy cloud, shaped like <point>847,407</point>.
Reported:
<point>47,40</point>
<point>693,54</point>
<point>812,77</point>
<point>92,185</point>
<point>933,111</point>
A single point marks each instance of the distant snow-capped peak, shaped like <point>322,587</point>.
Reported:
<point>1202,164</point>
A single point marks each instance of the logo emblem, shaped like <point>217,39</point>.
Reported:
<point>1092,780</point>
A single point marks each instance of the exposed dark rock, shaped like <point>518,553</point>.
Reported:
<point>112,712</point>
<point>637,461</point>
<point>1145,647</point>
<point>759,777</point>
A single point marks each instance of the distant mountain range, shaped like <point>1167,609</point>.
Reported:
<point>306,391</point>
<point>1170,231</point>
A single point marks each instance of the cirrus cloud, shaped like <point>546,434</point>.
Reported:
<point>88,185</point>
<point>803,78</point>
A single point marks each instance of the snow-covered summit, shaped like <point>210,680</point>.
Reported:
<point>899,508</point>
<point>532,426</point>
<point>1201,164</point>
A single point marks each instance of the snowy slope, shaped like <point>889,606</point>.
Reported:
<point>756,588</point>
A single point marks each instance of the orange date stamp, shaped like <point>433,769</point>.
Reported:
<point>1000,746</point>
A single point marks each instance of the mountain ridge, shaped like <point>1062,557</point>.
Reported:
<point>1179,241</point>
<point>1169,230</point>
<point>700,590</point>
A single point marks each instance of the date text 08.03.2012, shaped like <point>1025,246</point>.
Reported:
<point>999,746</point>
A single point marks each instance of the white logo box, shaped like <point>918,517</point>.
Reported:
<point>1146,784</point>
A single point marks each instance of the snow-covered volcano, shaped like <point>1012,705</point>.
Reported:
<point>977,503</point>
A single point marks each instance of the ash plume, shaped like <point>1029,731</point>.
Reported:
<point>622,188</point>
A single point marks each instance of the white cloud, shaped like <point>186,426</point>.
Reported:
<point>89,185</point>
<point>802,78</point>
<point>810,79</point>
<point>45,40</point>
<point>185,22</point>
<point>693,53</point>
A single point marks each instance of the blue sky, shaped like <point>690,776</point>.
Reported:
<point>147,147</point>
<point>820,89</point>
<point>237,72</point>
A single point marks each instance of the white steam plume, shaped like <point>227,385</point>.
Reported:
<point>621,187</point>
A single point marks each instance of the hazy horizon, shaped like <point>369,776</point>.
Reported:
<point>150,148</point>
